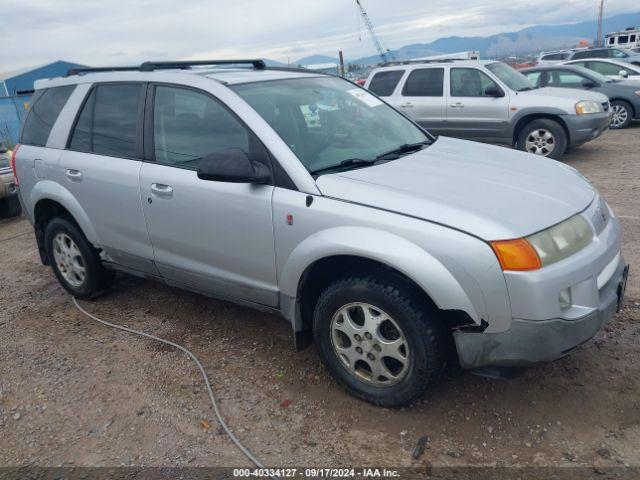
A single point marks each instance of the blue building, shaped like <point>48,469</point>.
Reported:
<point>15,95</point>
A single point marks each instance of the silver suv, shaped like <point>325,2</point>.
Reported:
<point>490,101</point>
<point>303,194</point>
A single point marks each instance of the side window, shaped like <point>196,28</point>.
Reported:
<point>558,78</point>
<point>582,64</point>
<point>108,122</point>
<point>534,78</point>
<point>605,68</point>
<point>583,54</point>
<point>469,82</point>
<point>612,41</point>
<point>45,108</point>
<point>424,82</point>
<point>188,125</point>
<point>384,83</point>
<point>617,54</point>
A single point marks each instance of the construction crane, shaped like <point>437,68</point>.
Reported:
<point>384,54</point>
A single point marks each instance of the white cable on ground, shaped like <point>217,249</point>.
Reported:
<point>233,438</point>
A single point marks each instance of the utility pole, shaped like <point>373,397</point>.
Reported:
<point>599,38</point>
<point>341,63</point>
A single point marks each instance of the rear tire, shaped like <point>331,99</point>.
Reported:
<point>622,115</point>
<point>543,137</point>
<point>74,261</point>
<point>359,319</point>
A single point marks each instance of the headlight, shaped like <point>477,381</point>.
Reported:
<point>588,106</point>
<point>562,240</point>
<point>544,248</point>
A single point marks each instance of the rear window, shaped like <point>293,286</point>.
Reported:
<point>384,83</point>
<point>46,105</point>
<point>108,122</point>
<point>424,82</point>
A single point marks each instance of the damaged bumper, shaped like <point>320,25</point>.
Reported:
<point>528,342</point>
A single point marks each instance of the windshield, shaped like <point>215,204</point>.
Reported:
<point>511,77</point>
<point>327,121</point>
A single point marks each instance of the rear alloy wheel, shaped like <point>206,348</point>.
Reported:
<point>622,116</point>
<point>74,261</point>
<point>543,137</point>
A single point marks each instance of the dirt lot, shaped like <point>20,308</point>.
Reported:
<point>73,392</point>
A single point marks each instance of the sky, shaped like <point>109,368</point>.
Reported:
<point>119,32</point>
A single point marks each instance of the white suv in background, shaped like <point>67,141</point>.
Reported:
<point>490,101</point>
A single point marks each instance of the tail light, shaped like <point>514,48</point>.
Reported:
<point>13,163</point>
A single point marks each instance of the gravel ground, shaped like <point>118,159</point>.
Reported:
<point>75,393</point>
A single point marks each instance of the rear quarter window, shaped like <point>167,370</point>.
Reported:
<point>384,83</point>
<point>46,105</point>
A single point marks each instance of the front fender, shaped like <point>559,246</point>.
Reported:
<point>49,190</point>
<point>384,247</point>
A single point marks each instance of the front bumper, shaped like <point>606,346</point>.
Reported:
<point>583,128</point>
<point>529,342</point>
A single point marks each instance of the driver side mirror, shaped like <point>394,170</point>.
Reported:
<point>586,83</point>
<point>234,166</point>
<point>623,73</point>
<point>493,92</point>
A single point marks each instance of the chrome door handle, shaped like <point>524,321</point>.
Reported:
<point>75,175</point>
<point>161,189</point>
<point>457,105</point>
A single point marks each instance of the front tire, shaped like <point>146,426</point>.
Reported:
<point>74,261</point>
<point>543,137</point>
<point>622,115</point>
<point>379,340</point>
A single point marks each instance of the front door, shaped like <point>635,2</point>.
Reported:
<point>471,113</point>
<point>210,236</point>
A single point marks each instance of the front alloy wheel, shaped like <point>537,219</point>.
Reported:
<point>540,142</point>
<point>621,117</point>
<point>370,344</point>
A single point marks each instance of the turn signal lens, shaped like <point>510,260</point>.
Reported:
<point>516,254</point>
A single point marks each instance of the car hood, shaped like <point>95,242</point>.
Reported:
<point>565,94</point>
<point>494,193</point>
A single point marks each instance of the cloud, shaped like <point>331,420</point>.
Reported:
<point>121,31</point>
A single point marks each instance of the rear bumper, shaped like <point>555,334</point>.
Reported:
<point>529,342</point>
<point>583,128</point>
<point>7,184</point>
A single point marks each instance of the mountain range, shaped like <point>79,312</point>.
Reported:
<point>528,40</point>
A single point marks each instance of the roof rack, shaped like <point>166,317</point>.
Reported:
<point>258,64</point>
<point>435,60</point>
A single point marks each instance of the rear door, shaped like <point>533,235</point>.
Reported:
<point>211,236</point>
<point>422,98</point>
<point>101,168</point>
<point>470,112</point>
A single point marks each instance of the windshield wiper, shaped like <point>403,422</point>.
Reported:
<point>406,148</point>
<point>343,165</point>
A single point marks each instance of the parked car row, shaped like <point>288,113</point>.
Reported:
<point>624,96</point>
<point>490,101</point>
<point>625,55</point>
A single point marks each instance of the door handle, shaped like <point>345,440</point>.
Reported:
<point>161,189</point>
<point>457,105</point>
<point>75,175</point>
<point>407,105</point>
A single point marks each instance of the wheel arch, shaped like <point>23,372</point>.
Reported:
<point>530,117</point>
<point>634,112</point>
<point>50,200</point>
<point>334,253</point>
